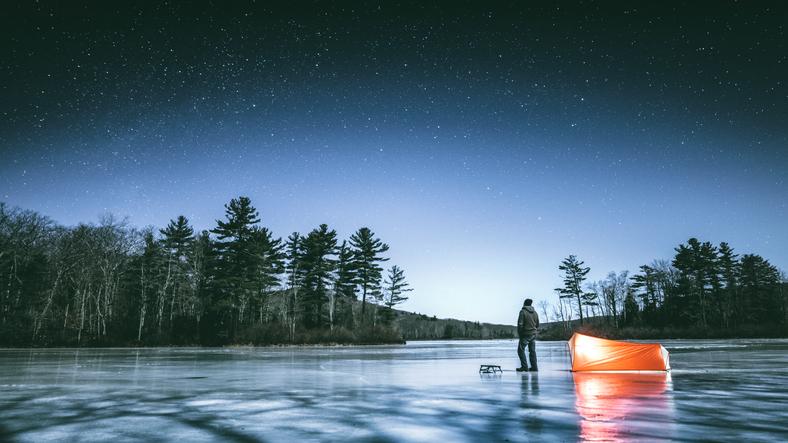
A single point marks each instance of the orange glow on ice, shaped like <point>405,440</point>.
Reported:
<point>609,402</point>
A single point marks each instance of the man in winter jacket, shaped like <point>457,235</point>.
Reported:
<point>527,325</point>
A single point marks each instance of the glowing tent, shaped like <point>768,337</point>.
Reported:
<point>597,354</point>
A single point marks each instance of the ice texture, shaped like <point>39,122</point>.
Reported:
<point>735,390</point>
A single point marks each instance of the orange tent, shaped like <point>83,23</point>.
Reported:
<point>597,354</point>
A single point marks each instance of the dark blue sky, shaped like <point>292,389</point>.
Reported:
<point>484,144</point>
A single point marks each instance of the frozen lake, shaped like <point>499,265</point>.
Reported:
<point>424,391</point>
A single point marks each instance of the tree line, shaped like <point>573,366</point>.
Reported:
<point>415,326</point>
<point>705,287</point>
<point>111,283</point>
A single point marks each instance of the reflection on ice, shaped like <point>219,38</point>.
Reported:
<point>613,404</point>
<point>424,391</point>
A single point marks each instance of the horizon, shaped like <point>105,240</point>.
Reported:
<point>483,147</point>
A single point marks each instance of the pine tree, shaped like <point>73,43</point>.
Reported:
<point>574,276</point>
<point>729,271</point>
<point>345,284</point>
<point>367,250</point>
<point>393,291</point>
<point>395,287</point>
<point>269,265</point>
<point>631,309</point>
<point>177,237</point>
<point>319,249</point>
<point>236,279</point>
<point>697,265</point>
<point>646,282</point>
<point>646,287</point>
<point>200,260</point>
<point>176,241</point>
<point>760,290</point>
<point>294,269</point>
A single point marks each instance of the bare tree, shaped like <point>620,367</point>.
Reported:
<point>544,306</point>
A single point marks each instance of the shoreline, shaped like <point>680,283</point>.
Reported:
<point>350,345</point>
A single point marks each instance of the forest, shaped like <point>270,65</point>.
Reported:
<point>113,284</point>
<point>706,290</point>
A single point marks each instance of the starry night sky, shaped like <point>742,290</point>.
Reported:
<point>484,143</point>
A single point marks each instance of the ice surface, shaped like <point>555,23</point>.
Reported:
<point>424,391</point>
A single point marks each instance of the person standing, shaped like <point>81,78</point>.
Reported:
<point>527,326</point>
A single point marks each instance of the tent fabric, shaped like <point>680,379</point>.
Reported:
<point>598,354</point>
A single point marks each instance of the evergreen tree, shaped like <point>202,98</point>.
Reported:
<point>646,282</point>
<point>318,263</point>
<point>395,287</point>
<point>648,287</point>
<point>176,242</point>
<point>269,265</point>
<point>367,250</point>
<point>295,271</point>
<point>201,259</point>
<point>235,278</point>
<point>574,276</point>
<point>631,309</point>
<point>698,277</point>
<point>177,238</point>
<point>760,290</point>
<point>729,271</point>
<point>108,284</point>
<point>782,295</point>
<point>293,252</point>
<point>345,284</point>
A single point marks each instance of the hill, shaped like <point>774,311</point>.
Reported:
<point>414,326</point>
